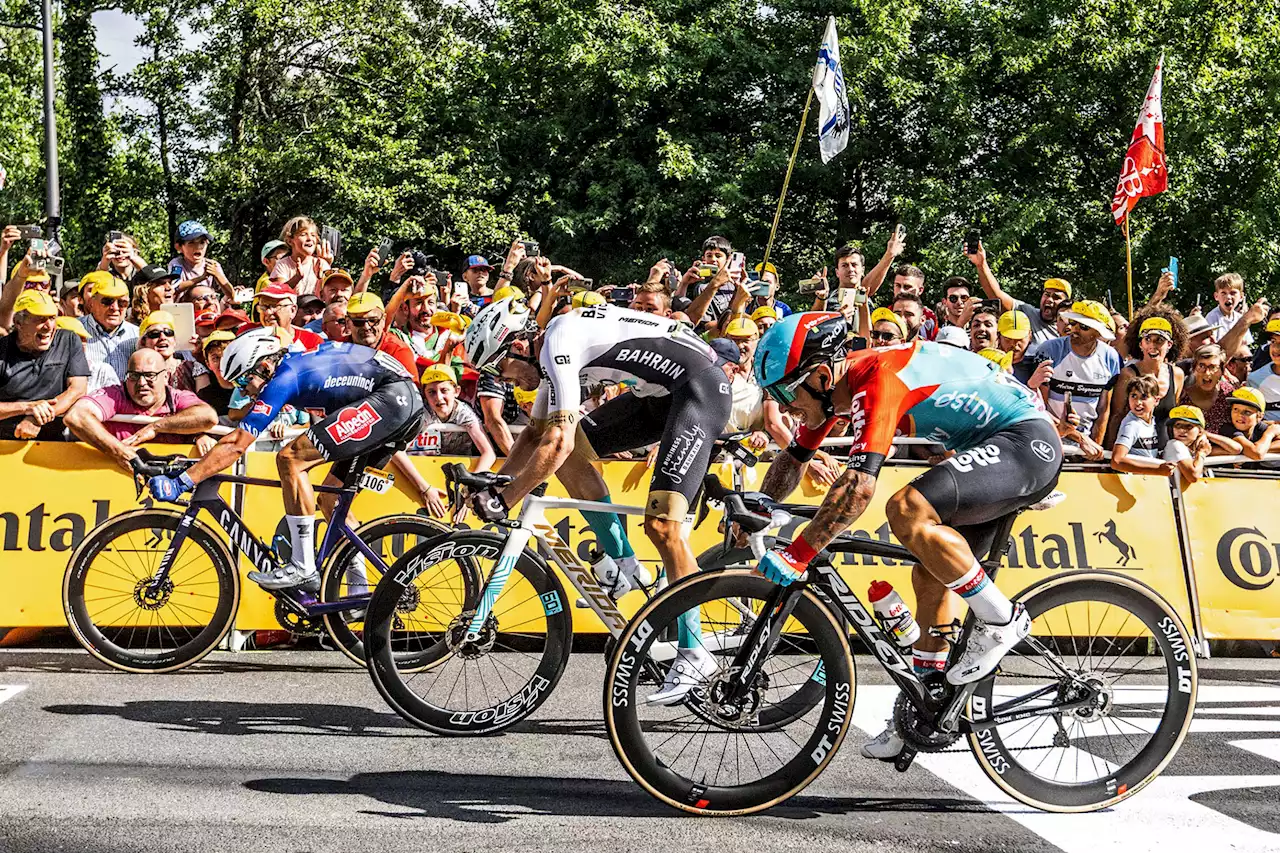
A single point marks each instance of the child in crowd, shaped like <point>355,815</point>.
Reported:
<point>1228,292</point>
<point>308,256</point>
<point>1137,447</point>
<point>1248,429</point>
<point>444,408</point>
<point>192,265</point>
<point>1188,445</point>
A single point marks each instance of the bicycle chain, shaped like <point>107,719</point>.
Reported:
<point>1023,749</point>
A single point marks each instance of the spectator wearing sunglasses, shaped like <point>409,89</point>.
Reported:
<point>158,332</point>
<point>887,328</point>
<point>956,301</point>
<point>43,371</point>
<point>366,322</point>
<point>112,338</point>
<point>144,391</point>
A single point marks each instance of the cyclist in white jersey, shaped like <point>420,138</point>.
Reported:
<point>679,397</point>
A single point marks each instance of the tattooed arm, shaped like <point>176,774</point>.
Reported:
<point>783,476</point>
<point>845,503</point>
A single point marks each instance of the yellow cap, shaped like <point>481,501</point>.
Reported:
<point>336,273</point>
<point>1058,284</point>
<point>1250,397</point>
<point>1187,413</point>
<point>37,303</point>
<point>1156,326</point>
<point>37,275</point>
<point>155,318</point>
<point>999,356</point>
<point>263,281</point>
<point>764,268</point>
<point>506,292</point>
<point>1273,327</point>
<point>445,320</point>
<point>364,302</point>
<point>1014,325</point>
<point>524,397</point>
<point>741,327</point>
<point>221,336</point>
<point>1093,315</point>
<point>884,315</point>
<point>765,311</point>
<point>585,298</point>
<point>103,283</point>
<point>439,373</point>
<point>71,324</point>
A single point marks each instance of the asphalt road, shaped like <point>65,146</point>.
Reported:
<point>292,751</point>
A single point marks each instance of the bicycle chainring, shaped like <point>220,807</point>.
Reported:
<point>916,731</point>
<point>298,624</point>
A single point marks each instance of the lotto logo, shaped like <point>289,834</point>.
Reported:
<point>354,423</point>
<point>978,456</point>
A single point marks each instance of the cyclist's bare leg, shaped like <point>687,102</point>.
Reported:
<point>667,535</point>
<point>581,480</point>
<point>935,605</point>
<point>327,500</point>
<point>293,461</point>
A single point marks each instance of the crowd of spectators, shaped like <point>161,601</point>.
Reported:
<point>1161,393</point>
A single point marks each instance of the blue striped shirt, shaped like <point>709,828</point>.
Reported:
<point>108,352</point>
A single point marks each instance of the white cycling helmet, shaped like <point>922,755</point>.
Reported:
<point>244,353</point>
<point>494,329</point>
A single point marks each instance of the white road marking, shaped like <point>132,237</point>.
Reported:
<point>1160,817</point>
<point>8,691</point>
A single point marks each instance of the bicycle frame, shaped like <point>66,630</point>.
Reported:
<point>206,497</point>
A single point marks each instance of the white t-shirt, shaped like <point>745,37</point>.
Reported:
<point>1139,436</point>
<point>1040,330</point>
<point>1222,323</point>
<point>1176,451</point>
<point>1266,380</point>
<point>433,442</point>
<point>1086,378</point>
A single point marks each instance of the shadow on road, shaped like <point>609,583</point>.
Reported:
<point>251,718</point>
<point>477,798</point>
<point>81,663</point>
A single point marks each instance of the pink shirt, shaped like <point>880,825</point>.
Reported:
<point>113,400</point>
<point>310,281</point>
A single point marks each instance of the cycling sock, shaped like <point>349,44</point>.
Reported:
<point>925,662</point>
<point>609,531</point>
<point>987,603</point>
<point>689,629</point>
<point>302,535</point>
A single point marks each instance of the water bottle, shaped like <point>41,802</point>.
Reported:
<point>893,613</point>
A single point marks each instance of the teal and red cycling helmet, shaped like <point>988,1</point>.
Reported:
<point>794,346</point>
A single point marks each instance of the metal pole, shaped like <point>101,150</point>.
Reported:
<point>777,214</point>
<point>1128,263</point>
<point>52,198</point>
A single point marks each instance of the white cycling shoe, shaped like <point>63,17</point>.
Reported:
<point>288,576</point>
<point>885,746</point>
<point>987,645</point>
<point>691,668</point>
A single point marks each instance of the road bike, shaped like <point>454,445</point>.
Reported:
<point>487,664</point>
<point>1076,718</point>
<point>156,589</point>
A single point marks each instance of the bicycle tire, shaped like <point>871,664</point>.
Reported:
<point>101,640</point>
<point>657,775</point>
<point>556,639</point>
<point>412,530</point>
<point>1116,784</point>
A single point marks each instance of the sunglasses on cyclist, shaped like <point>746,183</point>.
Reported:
<point>249,375</point>
<point>157,334</point>
<point>784,393</point>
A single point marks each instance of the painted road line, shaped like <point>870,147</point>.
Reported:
<point>1162,816</point>
<point>8,691</point>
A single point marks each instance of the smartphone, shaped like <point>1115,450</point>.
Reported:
<point>176,269</point>
<point>30,232</point>
<point>586,283</point>
<point>901,231</point>
<point>737,262</point>
<point>114,236</point>
<point>759,288</point>
<point>622,295</point>
<point>707,270</point>
<point>384,251</point>
<point>1173,268</point>
<point>810,285</point>
<point>1066,406</point>
<point>331,236</point>
<point>184,323</point>
<point>971,241</point>
<point>673,277</point>
<point>460,292</point>
<point>531,248</point>
<point>38,263</point>
<point>56,265</point>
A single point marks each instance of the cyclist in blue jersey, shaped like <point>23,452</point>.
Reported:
<point>1007,456</point>
<point>369,403</point>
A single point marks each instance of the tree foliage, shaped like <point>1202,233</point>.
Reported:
<point>619,132</point>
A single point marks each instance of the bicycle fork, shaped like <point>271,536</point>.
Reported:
<point>517,539</point>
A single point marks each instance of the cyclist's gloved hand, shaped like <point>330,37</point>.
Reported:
<point>170,488</point>
<point>787,565</point>
<point>489,505</point>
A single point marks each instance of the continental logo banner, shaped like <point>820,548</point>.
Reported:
<point>1235,554</point>
<point>58,492</point>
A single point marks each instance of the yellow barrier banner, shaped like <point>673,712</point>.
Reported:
<point>1235,555</point>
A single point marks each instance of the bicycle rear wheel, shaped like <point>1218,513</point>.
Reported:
<point>420,659</point>
<point>730,765</point>
<point>1135,708</point>
<point>125,617</point>
<point>347,573</point>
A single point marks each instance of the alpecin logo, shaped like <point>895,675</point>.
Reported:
<point>1247,559</point>
<point>354,423</point>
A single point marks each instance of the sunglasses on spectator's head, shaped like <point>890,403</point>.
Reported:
<point>157,334</point>
<point>108,301</point>
<point>885,337</point>
<point>144,375</point>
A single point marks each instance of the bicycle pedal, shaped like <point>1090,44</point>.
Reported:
<point>903,762</point>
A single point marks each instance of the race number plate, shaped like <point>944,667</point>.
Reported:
<point>377,480</point>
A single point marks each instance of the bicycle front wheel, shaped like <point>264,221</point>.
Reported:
<point>710,754</point>
<point>347,573</point>
<point>416,636</point>
<point>129,615</point>
<point>1126,711</point>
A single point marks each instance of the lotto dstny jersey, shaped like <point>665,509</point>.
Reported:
<point>948,395</point>
<point>606,344</point>
<point>327,379</point>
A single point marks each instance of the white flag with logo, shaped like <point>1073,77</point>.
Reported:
<point>833,100</point>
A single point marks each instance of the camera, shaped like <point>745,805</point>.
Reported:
<point>971,241</point>
<point>30,232</point>
<point>531,248</point>
<point>810,285</point>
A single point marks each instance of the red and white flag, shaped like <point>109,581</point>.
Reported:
<point>1144,171</point>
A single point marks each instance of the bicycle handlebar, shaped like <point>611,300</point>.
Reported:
<point>147,465</point>
<point>752,511</point>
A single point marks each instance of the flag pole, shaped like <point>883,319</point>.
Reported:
<point>795,150</point>
<point>1128,263</point>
